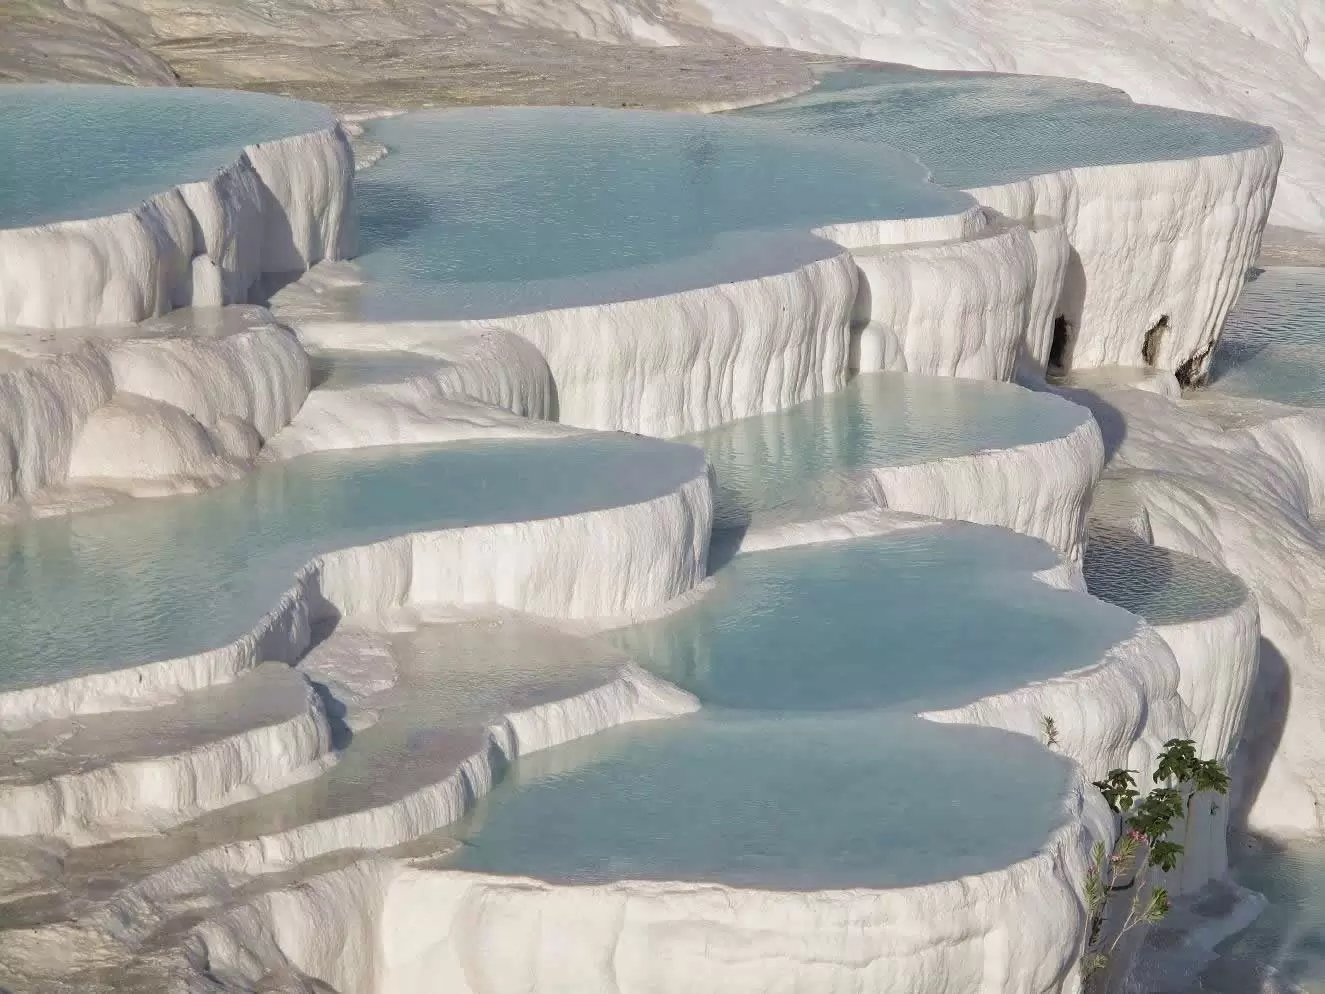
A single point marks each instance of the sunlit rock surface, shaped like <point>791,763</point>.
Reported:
<point>258,186</point>
<point>422,560</point>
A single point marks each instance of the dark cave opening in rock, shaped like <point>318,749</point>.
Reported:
<point>1154,339</point>
<point>1058,347</point>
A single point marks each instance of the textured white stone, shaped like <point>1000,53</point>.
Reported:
<point>601,563</point>
<point>282,207</point>
<point>1041,489</point>
<point>954,308</point>
<point>166,406</point>
<point>1242,499</point>
<point>58,783</point>
<point>483,383</point>
<point>678,363</point>
<point>1149,241</point>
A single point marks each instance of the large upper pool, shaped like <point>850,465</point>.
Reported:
<point>1273,346</point>
<point>477,213</point>
<point>809,460</point>
<point>83,151</point>
<point>978,129</point>
<point>158,579</point>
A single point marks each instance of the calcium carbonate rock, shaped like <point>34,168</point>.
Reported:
<point>282,207</point>
<point>178,403</point>
<point>1159,251</point>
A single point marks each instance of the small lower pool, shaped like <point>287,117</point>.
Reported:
<point>786,802</point>
<point>1273,346</point>
<point>809,460</point>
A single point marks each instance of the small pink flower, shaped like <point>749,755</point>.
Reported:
<point>1135,836</point>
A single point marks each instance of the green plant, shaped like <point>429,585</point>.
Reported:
<point>1146,822</point>
<point>1050,728</point>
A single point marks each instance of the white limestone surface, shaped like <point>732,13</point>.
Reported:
<point>475,383</point>
<point>1151,242</point>
<point>1243,499</point>
<point>167,406</point>
<point>135,773</point>
<point>606,562</point>
<point>953,308</point>
<point>282,207</point>
<point>1041,489</point>
<point>666,365</point>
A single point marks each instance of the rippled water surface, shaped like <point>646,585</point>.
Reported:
<point>477,213</point>
<point>1273,345</point>
<point>157,579</point>
<point>978,129</point>
<point>811,460</point>
<point>74,151</point>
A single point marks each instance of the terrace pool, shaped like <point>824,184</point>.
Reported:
<point>77,151</point>
<point>980,129</point>
<point>480,213</point>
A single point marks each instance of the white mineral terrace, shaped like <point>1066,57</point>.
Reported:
<point>613,552</point>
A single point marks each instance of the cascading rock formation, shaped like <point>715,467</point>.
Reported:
<point>615,551</point>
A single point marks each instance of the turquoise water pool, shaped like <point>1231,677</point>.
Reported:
<point>915,620</point>
<point>77,151</point>
<point>979,129</point>
<point>1273,346</point>
<point>1283,951</point>
<point>808,461</point>
<point>1162,586</point>
<point>477,213</point>
<point>788,802</point>
<point>159,579</point>
<point>807,769</point>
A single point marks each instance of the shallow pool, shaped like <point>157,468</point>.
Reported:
<point>77,151</point>
<point>1283,952</point>
<point>979,129</point>
<point>809,460</point>
<point>1273,346</point>
<point>1160,585</point>
<point>807,768</point>
<point>789,802</point>
<point>913,620</point>
<point>477,213</point>
<point>158,579</point>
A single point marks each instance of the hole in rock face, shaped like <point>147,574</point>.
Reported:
<point>1154,338</point>
<point>1059,346</point>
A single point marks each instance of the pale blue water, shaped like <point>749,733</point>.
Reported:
<point>977,129</point>
<point>1160,585</point>
<point>780,801</point>
<point>1283,952</point>
<point>1273,345</point>
<point>497,211</point>
<point>915,620</point>
<point>76,151</point>
<point>150,580</point>
<point>807,768</point>
<point>809,460</point>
